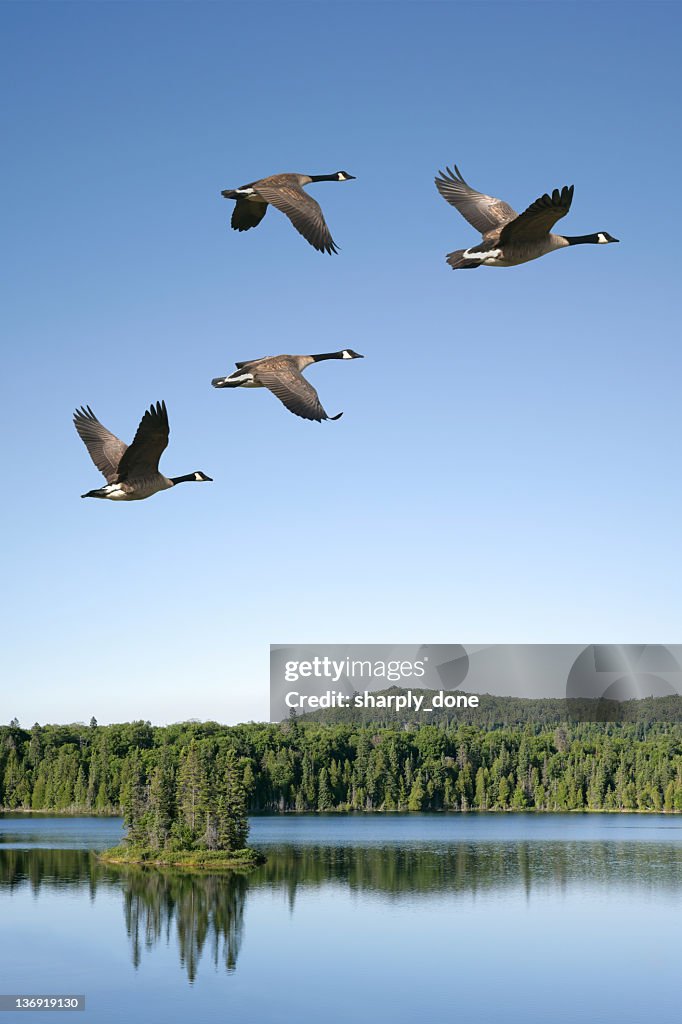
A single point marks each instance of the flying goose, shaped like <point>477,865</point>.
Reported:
<point>282,375</point>
<point>285,191</point>
<point>509,238</point>
<point>131,472</point>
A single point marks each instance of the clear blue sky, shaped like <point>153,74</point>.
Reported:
<point>507,468</point>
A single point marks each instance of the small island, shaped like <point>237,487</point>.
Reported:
<point>214,859</point>
<point>192,815</point>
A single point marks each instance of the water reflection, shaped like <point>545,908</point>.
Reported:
<point>203,914</point>
<point>50,869</point>
<point>468,869</point>
<point>206,912</point>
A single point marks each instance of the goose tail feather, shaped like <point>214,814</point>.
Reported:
<point>458,261</point>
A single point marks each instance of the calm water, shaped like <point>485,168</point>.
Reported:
<point>404,918</point>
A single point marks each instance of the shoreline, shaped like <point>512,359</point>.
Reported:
<point>210,860</point>
<point>349,812</point>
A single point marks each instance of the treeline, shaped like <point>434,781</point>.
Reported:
<point>307,766</point>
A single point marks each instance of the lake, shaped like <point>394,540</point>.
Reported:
<point>528,918</point>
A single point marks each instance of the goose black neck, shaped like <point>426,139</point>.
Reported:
<point>581,239</point>
<point>323,177</point>
<point>327,355</point>
<point>189,478</point>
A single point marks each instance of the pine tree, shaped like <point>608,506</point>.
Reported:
<point>232,826</point>
<point>324,797</point>
<point>519,798</point>
<point>190,788</point>
<point>481,796</point>
<point>417,797</point>
<point>161,802</point>
<point>133,800</point>
<point>249,783</point>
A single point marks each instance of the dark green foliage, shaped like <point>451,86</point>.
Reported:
<point>187,785</point>
<point>231,823</point>
<point>199,806</point>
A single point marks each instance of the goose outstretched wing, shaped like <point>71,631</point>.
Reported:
<point>485,213</point>
<point>295,392</point>
<point>540,217</point>
<point>303,211</point>
<point>105,449</point>
<point>151,439</point>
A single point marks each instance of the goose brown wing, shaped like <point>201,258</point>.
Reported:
<point>540,217</point>
<point>303,211</point>
<point>247,214</point>
<point>151,439</point>
<point>105,449</point>
<point>248,362</point>
<point>293,391</point>
<point>485,213</point>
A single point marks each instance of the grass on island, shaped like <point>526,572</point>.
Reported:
<point>213,859</point>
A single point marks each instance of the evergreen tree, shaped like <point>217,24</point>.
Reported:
<point>161,802</point>
<point>191,789</point>
<point>324,797</point>
<point>231,816</point>
<point>417,797</point>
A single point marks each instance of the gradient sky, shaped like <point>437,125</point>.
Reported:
<point>507,468</point>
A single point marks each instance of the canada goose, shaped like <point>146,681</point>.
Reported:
<point>509,238</point>
<point>282,375</point>
<point>285,191</point>
<point>132,473</point>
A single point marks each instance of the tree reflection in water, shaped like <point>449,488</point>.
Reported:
<point>204,913</point>
<point>206,910</point>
